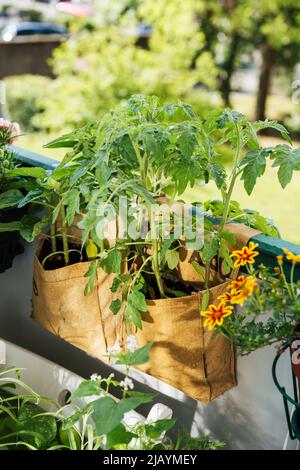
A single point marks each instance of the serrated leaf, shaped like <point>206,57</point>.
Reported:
<point>91,274</point>
<point>199,269</point>
<point>69,422</point>
<point>108,413</point>
<point>227,260</point>
<point>72,201</point>
<point>259,125</point>
<point>66,140</point>
<point>165,245</point>
<point>34,172</point>
<point>254,166</point>
<point>31,226</point>
<point>155,430</point>
<point>10,198</point>
<point>133,315</point>
<point>102,174</point>
<point>115,306</point>
<point>140,356</point>
<point>116,284</point>
<point>172,259</point>
<point>228,236</point>
<point>287,159</point>
<point>137,300</point>
<point>112,264</point>
<point>218,173</point>
<point>119,435</point>
<point>87,388</point>
<point>210,249</point>
<point>31,196</point>
<point>187,142</point>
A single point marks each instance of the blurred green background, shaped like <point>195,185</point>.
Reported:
<point>242,54</point>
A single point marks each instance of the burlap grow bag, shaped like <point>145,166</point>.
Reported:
<point>186,355</point>
<point>60,306</point>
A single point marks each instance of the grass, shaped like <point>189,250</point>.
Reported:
<point>34,141</point>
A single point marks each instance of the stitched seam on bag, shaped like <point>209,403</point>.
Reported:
<point>100,313</point>
<point>203,356</point>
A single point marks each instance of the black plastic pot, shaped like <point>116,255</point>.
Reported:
<point>10,242</point>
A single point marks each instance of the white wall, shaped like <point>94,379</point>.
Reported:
<point>250,416</point>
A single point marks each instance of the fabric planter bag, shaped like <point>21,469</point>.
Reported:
<point>60,306</point>
<point>185,354</point>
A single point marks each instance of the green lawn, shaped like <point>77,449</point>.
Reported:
<point>34,141</point>
<point>282,206</point>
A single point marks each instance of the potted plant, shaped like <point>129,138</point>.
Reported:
<point>9,197</point>
<point>271,307</point>
<point>149,153</point>
<point>31,421</point>
<point>149,278</point>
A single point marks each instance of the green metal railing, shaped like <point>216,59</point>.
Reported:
<point>293,419</point>
<point>269,247</point>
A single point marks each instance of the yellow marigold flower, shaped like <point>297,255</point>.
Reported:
<point>238,296</point>
<point>246,255</point>
<point>291,257</point>
<point>237,283</point>
<point>216,314</point>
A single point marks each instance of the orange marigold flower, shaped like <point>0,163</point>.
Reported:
<point>246,255</point>
<point>279,259</point>
<point>238,296</point>
<point>291,257</point>
<point>216,314</point>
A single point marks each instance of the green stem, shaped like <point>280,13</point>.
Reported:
<point>234,175</point>
<point>53,238</point>
<point>292,280</point>
<point>290,292</point>
<point>64,234</point>
<point>155,267</point>
<point>206,279</point>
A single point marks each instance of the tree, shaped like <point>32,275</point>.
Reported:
<point>97,69</point>
<point>235,27</point>
<point>277,33</point>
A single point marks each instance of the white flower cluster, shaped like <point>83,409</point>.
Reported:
<point>131,343</point>
<point>95,377</point>
<point>127,384</point>
<point>115,349</point>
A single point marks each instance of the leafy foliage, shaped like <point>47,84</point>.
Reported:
<point>94,420</point>
<point>253,328</point>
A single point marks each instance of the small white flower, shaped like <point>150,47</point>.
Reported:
<point>115,349</point>
<point>111,376</point>
<point>131,343</point>
<point>96,377</point>
<point>127,384</point>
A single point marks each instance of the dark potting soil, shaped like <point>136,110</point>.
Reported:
<point>10,244</point>
<point>173,287</point>
<point>51,261</point>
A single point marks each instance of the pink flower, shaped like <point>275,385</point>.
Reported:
<point>11,131</point>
